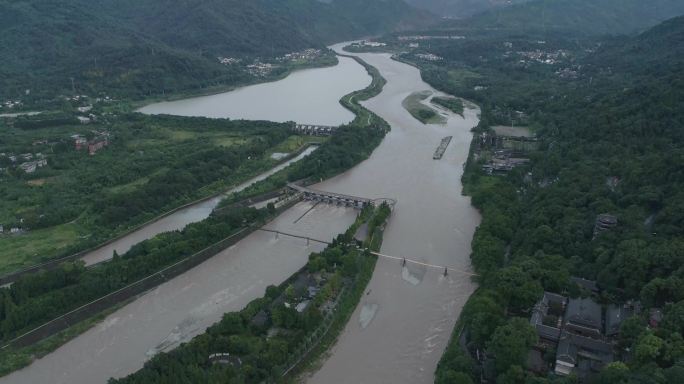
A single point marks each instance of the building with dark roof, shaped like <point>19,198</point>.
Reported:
<point>584,317</point>
<point>588,285</point>
<point>574,327</point>
<point>581,355</point>
<point>615,315</point>
<point>547,317</point>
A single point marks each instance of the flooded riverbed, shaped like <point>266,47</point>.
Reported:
<point>309,96</point>
<point>184,307</point>
<point>400,329</point>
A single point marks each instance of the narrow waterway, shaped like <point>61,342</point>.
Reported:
<point>180,218</point>
<point>309,96</point>
<point>400,328</point>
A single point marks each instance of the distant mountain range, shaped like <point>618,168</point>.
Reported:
<point>130,45</point>
<point>461,8</point>
<point>587,17</point>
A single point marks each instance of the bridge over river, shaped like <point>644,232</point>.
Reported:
<point>339,198</point>
<point>446,270</point>
<point>315,129</point>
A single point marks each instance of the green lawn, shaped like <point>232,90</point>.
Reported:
<point>451,103</point>
<point>294,142</point>
<point>18,251</point>
<point>460,76</point>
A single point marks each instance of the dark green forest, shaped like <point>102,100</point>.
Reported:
<point>577,17</point>
<point>155,47</point>
<point>610,110</point>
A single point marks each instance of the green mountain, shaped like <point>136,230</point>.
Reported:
<point>150,46</point>
<point>613,142</point>
<point>589,17</point>
<point>461,8</point>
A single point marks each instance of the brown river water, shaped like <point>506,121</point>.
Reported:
<point>400,328</point>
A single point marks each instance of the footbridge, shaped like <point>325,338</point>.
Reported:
<point>308,239</point>
<point>315,129</point>
<point>403,260</point>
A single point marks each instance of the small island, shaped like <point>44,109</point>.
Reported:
<point>422,112</point>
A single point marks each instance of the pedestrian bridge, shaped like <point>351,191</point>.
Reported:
<point>403,260</point>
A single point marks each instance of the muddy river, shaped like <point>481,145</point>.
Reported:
<point>310,96</point>
<point>399,330</point>
<point>401,327</point>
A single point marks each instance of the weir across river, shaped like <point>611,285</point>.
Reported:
<point>339,198</point>
<point>315,129</point>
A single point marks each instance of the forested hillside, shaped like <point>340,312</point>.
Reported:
<point>461,8</point>
<point>610,118</point>
<point>588,17</point>
<point>136,48</point>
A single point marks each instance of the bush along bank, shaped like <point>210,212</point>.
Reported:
<point>276,335</point>
<point>41,298</point>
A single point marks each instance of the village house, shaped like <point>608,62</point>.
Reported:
<point>97,144</point>
<point>31,166</point>
<point>79,141</point>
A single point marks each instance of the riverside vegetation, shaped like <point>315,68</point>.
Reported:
<point>136,49</point>
<point>40,297</point>
<point>609,116</point>
<point>267,338</point>
<point>152,164</point>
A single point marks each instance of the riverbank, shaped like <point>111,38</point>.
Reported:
<point>247,181</point>
<point>296,316</point>
<point>324,62</point>
<point>377,135</point>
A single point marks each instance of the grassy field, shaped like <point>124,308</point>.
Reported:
<point>108,193</point>
<point>295,142</point>
<point>420,111</point>
<point>451,103</point>
<point>460,76</point>
<point>17,251</point>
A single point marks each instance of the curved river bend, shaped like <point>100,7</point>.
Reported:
<point>401,327</point>
<point>310,96</point>
<point>185,306</point>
